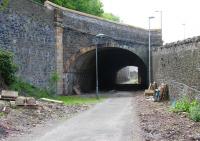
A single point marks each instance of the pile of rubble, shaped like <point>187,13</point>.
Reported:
<point>11,99</point>
<point>157,93</point>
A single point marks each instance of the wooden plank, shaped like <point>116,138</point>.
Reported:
<point>52,100</point>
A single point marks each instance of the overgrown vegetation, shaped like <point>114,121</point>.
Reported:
<point>27,89</point>
<point>94,7</point>
<point>2,114</point>
<point>53,83</point>
<point>7,67</point>
<point>3,4</point>
<point>188,106</point>
<point>195,113</point>
<point>7,72</point>
<point>110,16</point>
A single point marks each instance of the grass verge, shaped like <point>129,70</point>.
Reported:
<point>27,89</point>
<point>73,100</point>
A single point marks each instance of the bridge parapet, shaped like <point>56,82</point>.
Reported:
<point>93,25</point>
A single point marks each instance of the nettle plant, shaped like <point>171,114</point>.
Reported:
<point>7,67</point>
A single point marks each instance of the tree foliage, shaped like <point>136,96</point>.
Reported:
<point>94,7</point>
<point>111,17</point>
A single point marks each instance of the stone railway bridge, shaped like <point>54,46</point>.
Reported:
<point>50,38</point>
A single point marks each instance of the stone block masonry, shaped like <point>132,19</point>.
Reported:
<point>27,29</point>
<point>178,64</point>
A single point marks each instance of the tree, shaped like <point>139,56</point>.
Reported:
<point>94,7</point>
<point>111,17</point>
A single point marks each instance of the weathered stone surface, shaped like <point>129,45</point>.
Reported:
<point>20,101</point>
<point>27,29</point>
<point>9,94</point>
<point>30,101</point>
<point>177,64</point>
<point>2,104</point>
<point>12,104</point>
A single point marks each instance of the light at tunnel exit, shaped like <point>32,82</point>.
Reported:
<point>127,75</point>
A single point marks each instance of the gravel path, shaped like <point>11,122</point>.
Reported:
<point>112,120</point>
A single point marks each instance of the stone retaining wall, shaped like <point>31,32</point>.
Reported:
<point>178,64</point>
<point>27,30</point>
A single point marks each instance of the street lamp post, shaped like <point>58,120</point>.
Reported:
<point>150,49</point>
<point>97,77</point>
<point>97,73</point>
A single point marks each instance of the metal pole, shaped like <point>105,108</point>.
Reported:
<point>149,53</point>
<point>100,35</point>
<point>97,78</point>
<point>161,26</point>
<point>150,50</point>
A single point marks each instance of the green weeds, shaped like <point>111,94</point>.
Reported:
<point>190,107</point>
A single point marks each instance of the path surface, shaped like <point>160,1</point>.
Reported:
<point>112,120</point>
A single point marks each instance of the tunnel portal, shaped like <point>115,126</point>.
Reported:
<point>110,61</point>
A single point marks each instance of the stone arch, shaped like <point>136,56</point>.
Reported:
<point>73,58</point>
<point>79,70</point>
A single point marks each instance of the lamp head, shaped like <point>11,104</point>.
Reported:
<point>100,35</point>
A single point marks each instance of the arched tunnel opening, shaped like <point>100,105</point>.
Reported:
<point>110,61</point>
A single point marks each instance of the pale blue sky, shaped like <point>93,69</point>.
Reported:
<point>175,14</point>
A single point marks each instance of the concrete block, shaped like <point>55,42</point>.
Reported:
<point>12,104</point>
<point>30,101</point>
<point>20,101</point>
<point>10,95</point>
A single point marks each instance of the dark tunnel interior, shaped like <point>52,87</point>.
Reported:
<point>110,61</point>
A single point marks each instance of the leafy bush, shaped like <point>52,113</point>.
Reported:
<point>182,105</point>
<point>195,112</point>
<point>7,67</point>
